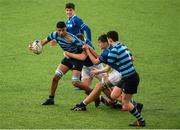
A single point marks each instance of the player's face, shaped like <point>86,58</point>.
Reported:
<point>103,45</point>
<point>61,32</point>
<point>110,41</point>
<point>69,12</point>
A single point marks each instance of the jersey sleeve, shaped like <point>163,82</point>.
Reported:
<point>103,56</point>
<point>83,27</point>
<point>51,36</point>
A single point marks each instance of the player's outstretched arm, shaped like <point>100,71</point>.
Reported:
<point>43,42</point>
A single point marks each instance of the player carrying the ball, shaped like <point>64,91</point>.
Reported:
<point>70,43</point>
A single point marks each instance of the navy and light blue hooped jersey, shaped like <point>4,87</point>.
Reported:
<point>120,59</point>
<point>75,25</point>
<point>104,55</point>
<point>75,46</point>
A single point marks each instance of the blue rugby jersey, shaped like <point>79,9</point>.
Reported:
<point>120,59</point>
<point>104,55</point>
<point>74,47</point>
<point>75,25</point>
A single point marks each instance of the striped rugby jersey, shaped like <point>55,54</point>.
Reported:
<point>74,47</point>
<point>120,59</point>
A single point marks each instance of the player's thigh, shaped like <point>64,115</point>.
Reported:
<point>114,77</point>
<point>86,73</point>
<point>63,68</point>
<point>87,81</point>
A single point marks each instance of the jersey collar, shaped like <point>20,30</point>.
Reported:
<point>116,43</point>
<point>72,17</point>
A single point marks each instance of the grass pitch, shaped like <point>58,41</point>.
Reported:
<point>150,28</point>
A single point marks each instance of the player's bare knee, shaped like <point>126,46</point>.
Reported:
<point>126,106</point>
<point>115,95</point>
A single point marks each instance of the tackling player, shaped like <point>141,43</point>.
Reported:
<point>120,59</point>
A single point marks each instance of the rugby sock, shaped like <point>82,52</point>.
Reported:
<point>135,113</point>
<point>134,103</point>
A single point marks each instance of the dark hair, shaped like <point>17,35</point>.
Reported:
<point>70,6</point>
<point>113,35</point>
<point>61,24</point>
<point>103,38</point>
<point>80,36</point>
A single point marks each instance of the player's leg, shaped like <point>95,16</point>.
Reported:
<point>116,93</point>
<point>106,100</point>
<point>129,86</point>
<point>60,71</point>
<point>128,106</point>
<point>90,98</point>
<point>109,82</point>
<point>114,78</point>
<point>104,84</point>
<point>87,80</point>
<point>108,85</point>
<point>76,82</point>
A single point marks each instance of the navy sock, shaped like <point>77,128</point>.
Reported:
<point>136,114</point>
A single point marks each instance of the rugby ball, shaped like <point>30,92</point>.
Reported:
<point>37,47</point>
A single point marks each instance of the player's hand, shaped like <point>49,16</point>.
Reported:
<point>85,47</point>
<point>30,46</point>
<point>94,72</point>
<point>53,42</point>
<point>66,54</point>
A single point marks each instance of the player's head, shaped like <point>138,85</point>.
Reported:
<point>61,28</point>
<point>103,42</point>
<point>70,9</point>
<point>112,37</point>
<point>80,36</point>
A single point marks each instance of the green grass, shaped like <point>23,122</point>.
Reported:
<point>149,27</point>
